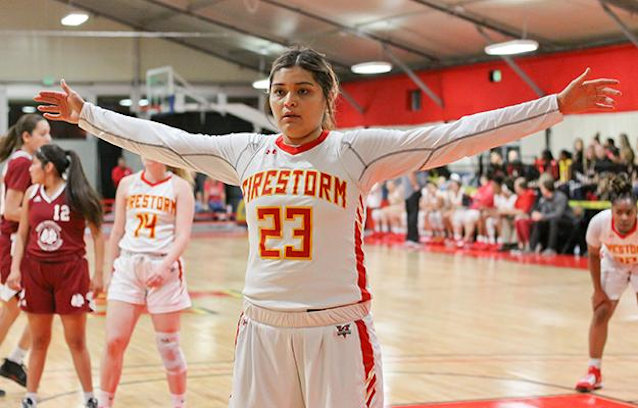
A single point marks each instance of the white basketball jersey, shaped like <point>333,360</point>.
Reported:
<point>304,204</point>
<point>621,249</point>
<point>150,215</point>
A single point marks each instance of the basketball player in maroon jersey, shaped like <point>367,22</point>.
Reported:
<point>17,147</point>
<point>49,264</point>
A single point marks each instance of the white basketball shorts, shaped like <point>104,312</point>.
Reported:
<point>127,284</point>
<point>320,359</point>
<point>615,278</point>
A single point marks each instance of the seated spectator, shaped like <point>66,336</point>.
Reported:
<point>374,202</point>
<point>431,217</point>
<point>525,199</point>
<point>564,166</point>
<point>215,197</point>
<point>120,171</point>
<point>453,208</point>
<point>392,217</point>
<point>472,218</point>
<point>499,222</point>
<point>551,215</point>
<point>547,164</point>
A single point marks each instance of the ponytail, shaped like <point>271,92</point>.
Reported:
<point>13,139</point>
<point>9,142</point>
<point>183,173</point>
<point>81,196</point>
<point>620,188</point>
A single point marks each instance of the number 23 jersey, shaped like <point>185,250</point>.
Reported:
<point>304,204</point>
<point>150,215</point>
<point>56,231</point>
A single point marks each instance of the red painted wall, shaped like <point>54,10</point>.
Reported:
<point>467,89</point>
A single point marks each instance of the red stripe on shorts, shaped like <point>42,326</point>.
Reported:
<point>238,324</point>
<point>358,251</point>
<point>370,378</point>
<point>181,270</point>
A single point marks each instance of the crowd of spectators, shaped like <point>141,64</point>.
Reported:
<point>537,206</point>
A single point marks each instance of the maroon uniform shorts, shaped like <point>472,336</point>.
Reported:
<point>5,257</point>
<point>56,287</point>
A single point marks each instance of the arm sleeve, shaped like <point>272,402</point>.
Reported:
<point>594,230</point>
<point>217,156</point>
<point>18,177</point>
<point>381,154</point>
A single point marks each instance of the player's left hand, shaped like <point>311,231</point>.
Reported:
<point>581,95</point>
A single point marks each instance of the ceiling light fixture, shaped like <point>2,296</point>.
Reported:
<point>511,47</point>
<point>74,19</point>
<point>373,67</point>
<point>127,102</point>
<point>262,83</point>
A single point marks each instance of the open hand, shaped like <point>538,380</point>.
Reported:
<point>581,95</point>
<point>62,106</point>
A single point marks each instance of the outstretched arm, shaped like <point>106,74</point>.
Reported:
<point>217,156</point>
<point>380,154</point>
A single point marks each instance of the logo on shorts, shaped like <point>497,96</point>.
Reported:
<point>49,236</point>
<point>23,301</point>
<point>91,301</point>
<point>77,300</point>
<point>343,330</point>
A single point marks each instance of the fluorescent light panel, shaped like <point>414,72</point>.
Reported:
<point>512,47</point>
<point>128,102</point>
<point>372,67</point>
<point>74,19</point>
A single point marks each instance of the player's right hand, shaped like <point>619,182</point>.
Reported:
<point>599,298</point>
<point>65,106</point>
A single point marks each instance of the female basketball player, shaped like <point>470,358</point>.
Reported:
<point>306,336</point>
<point>612,240</point>
<point>153,217</point>
<point>49,263</point>
<point>29,133</point>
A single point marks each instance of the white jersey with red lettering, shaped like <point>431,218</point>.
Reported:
<point>304,204</point>
<point>150,215</point>
<point>615,248</point>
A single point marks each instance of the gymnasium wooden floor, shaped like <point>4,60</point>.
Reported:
<point>452,327</point>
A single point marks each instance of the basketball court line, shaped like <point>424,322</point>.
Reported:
<point>558,401</point>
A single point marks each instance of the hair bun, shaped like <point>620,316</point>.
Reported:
<point>620,184</point>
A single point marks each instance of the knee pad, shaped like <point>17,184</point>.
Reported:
<point>171,352</point>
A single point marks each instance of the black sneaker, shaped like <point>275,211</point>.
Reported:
<point>14,371</point>
<point>91,403</point>
<point>27,403</point>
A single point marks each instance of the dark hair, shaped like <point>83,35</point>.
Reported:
<point>547,181</point>
<point>620,188</point>
<point>498,178</point>
<point>13,138</point>
<point>522,182</point>
<point>81,196</point>
<point>321,71</point>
